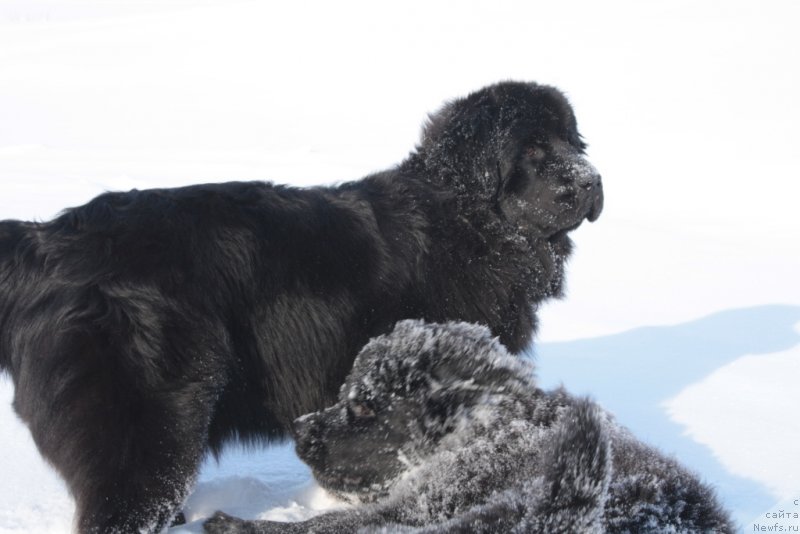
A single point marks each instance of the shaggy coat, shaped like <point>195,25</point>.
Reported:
<point>147,328</point>
<point>438,430</point>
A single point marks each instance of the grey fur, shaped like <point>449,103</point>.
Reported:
<point>439,430</point>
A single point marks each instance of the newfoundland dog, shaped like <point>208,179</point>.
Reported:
<point>439,430</point>
<point>147,328</point>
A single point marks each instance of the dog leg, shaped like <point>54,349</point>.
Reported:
<point>128,444</point>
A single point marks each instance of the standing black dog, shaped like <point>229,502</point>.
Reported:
<point>146,328</point>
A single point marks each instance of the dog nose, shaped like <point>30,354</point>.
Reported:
<point>307,443</point>
<point>301,426</point>
<point>591,181</point>
<point>596,201</point>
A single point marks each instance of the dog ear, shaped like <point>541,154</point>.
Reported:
<point>444,407</point>
<point>465,375</point>
<point>448,401</point>
<point>505,165</point>
<point>466,355</point>
<point>461,145</point>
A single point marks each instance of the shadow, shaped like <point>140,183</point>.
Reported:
<point>633,373</point>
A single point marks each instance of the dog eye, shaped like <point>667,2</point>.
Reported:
<point>535,153</point>
<point>360,411</point>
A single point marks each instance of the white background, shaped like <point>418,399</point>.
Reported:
<point>690,111</point>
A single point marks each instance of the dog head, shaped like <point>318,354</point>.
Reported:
<point>516,145</point>
<point>406,392</point>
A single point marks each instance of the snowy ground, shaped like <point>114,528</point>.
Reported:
<point>683,315</point>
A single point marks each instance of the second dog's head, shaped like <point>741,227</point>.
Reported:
<point>406,392</point>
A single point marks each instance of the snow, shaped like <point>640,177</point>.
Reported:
<point>763,446</point>
<point>683,301</point>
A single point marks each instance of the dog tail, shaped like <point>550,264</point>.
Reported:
<point>577,471</point>
<point>11,234</point>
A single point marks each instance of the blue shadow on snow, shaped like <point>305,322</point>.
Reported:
<point>634,372</point>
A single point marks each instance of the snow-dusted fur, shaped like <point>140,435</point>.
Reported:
<point>438,429</point>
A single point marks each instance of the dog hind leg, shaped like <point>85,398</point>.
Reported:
<point>128,445</point>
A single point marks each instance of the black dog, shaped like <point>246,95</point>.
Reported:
<point>146,328</point>
<point>439,430</point>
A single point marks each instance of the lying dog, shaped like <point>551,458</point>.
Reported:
<point>438,429</point>
<point>145,329</point>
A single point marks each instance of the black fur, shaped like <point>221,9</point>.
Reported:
<point>438,430</point>
<point>146,328</point>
